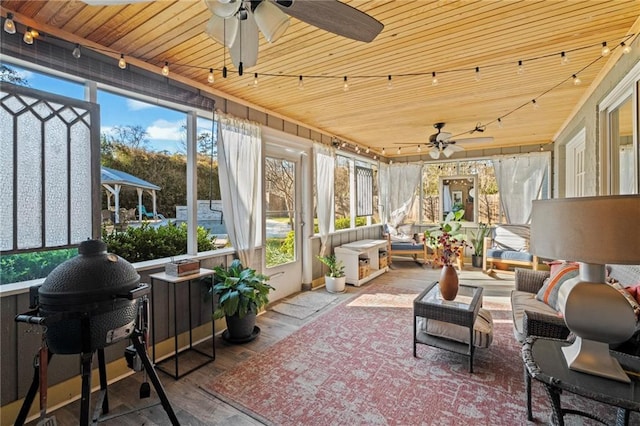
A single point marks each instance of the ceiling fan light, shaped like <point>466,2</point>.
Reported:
<point>272,21</point>
<point>434,153</point>
<point>448,151</point>
<point>222,31</point>
<point>222,8</point>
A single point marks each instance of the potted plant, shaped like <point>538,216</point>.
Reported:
<point>334,279</point>
<point>477,241</point>
<point>241,294</point>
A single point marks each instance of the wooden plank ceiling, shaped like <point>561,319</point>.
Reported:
<point>450,38</point>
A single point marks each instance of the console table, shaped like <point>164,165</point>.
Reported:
<point>352,253</point>
<point>545,362</point>
<point>174,282</point>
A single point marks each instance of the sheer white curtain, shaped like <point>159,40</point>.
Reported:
<point>403,181</point>
<point>240,174</point>
<point>519,182</point>
<point>325,165</point>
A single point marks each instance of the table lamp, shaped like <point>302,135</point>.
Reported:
<point>593,231</point>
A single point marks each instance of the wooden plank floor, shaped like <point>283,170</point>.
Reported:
<point>193,406</point>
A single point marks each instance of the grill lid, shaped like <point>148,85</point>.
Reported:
<point>92,276</point>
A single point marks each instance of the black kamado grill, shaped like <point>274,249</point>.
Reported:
<point>85,304</point>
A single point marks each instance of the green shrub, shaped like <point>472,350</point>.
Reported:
<point>31,266</point>
<point>147,242</point>
<point>345,222</point>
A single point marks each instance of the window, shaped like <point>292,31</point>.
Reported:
<point>575,165</point>
<point>343,189</point>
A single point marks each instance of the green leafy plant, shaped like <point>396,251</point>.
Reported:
<point>240,290</point>
<point>447,239</point>
<point>336,267</point>
<point>477,238</point>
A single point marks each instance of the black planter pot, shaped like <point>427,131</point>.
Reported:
<point>476,261</point>
<point>241,330</point>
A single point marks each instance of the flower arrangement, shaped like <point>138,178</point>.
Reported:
<point>448,241</point>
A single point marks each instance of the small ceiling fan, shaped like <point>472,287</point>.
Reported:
<point>441,142</point>
<point>235,23</point>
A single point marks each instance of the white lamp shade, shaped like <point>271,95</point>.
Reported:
<point>272,21</point>
<point>596,230</point>
<point>223,9</point>
<point>223,31</point>
<point>245,45</point>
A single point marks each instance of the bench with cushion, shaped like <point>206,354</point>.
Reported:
<point>508,245</point>
<point>401,241</point>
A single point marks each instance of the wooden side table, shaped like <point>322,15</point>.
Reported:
<point>175,282</point>
<point>544,362</point>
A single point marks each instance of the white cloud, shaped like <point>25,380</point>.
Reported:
<point>135,105</point>
<point>166,130</point>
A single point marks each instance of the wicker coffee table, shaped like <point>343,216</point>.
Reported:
<point>430,305</point>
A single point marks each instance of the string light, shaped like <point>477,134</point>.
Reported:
<point>478,76</point>
<point>520,68</point>
<point>576,80</point>
<point>564,59</point>
<point>399,150</point>
<point>419,148</point>
<point>345,86</point>
<point>224,72</point>
<point>535,104</point>
<point>28,36</point>
<point>211,78</point>
<point>9,25</point>
<point>500,123</point>
<point>383,151</point>
<point>625,48</point>
<point>434,79</point>
<point>255,79</point>
<point>300,83</point>
<point>367,150</point>
<point>389,83</point>
<point>605,50</point>
<point>76,52</point>
<point>122,64</point>
<point>165,69</point>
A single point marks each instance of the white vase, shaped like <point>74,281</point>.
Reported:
<point>335,285</point>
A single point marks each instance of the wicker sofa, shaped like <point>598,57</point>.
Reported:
<point>532,317</point>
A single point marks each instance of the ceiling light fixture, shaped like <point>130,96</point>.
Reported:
<point>605,50</point>
<point>122,64</point>
<point>165,69</point>
<point>211,78</point>
<point>272,21</point>
<point>76,52</point>
<point>9,25</point>
<point>28,37</point>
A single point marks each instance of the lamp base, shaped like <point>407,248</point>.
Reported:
<point>589,356</point>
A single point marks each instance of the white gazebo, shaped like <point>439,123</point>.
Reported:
<point>113,181</point>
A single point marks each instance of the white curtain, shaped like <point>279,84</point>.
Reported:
<point>325,165</point>
<point>519,182</point>
<point>403,181</point>
<point>446,198</point>
<point>240,174</point>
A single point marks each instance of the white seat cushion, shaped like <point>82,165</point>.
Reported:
<point>483,330</point>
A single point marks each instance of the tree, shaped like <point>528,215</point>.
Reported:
<point>279,179</point>
<point>132,135</point>
<point>10,75</point>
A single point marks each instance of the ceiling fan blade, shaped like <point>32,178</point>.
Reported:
<point>222,31</point>
<point>486,139</point>
<point>442,136</point>
<point>245,46</point>
<point>113,2</point>
<point>333,16</point>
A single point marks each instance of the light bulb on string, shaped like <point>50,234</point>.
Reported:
<point>76,53</point>
<point>605,49</point>
<point>564,59</point>
<point>28,36</point>
<point>224,72</point>
<point>399,150</point>
<point>383,151</point>
<point>367,150</point>
<point>255,79</point>
<point>520,68</point>
<point>389,83</point>
<point>625,48</point>
<point>165,69</point>
<point>122,64</point>
<point>500,123</point>
<point>535,104</point>
<point>300,83</point>
<point>345,86</point>
<point>419,148</point>
<point>576,80</point>
<point>211,78</point>
<point>477,75</point>
<point>9,25</point>
<point>434,79</point>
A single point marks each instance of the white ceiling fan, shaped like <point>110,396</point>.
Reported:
<point>235,23</point>
<point>441,142</point>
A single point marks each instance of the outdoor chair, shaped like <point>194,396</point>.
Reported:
<point>144,213</point>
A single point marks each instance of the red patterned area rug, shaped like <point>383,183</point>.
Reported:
<point>354,365</point>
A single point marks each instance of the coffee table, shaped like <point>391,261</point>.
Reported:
<point>463,311</point>
<point>544,362</point>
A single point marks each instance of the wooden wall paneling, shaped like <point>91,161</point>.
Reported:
<point>275,122</point>
<point>10,349</point>
<point>258,116</point>
<point>291,128</point>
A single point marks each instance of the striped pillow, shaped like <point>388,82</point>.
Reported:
<point>482,330</point>
<point>560,274</point>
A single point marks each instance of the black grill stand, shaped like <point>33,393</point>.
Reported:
<point>102,406</point>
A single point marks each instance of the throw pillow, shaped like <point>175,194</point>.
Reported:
<point>627,295</point>
<point>560,274</point>
<point>634,290</point>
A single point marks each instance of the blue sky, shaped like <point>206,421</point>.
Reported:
<point>163,125</point>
